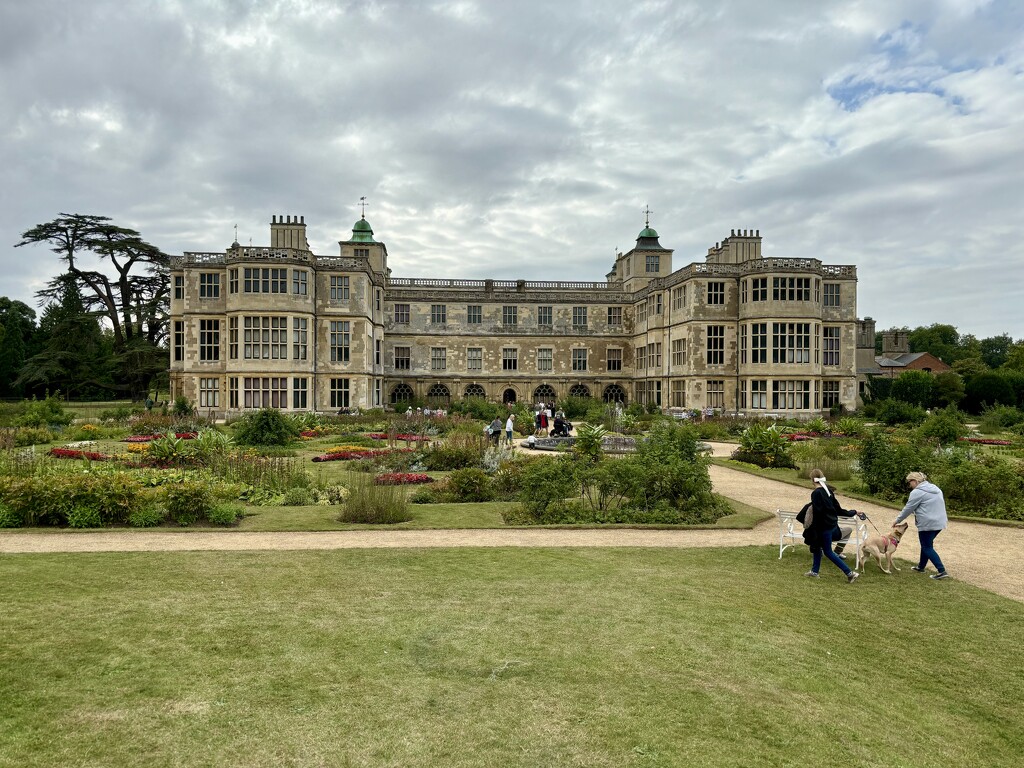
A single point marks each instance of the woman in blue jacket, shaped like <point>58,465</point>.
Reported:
<point>928,506</point>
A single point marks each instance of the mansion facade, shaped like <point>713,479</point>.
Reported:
<point>281,327</point>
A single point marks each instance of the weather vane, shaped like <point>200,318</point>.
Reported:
<point>647,216</point>
<point>236,233</point>
<point>363,204</point>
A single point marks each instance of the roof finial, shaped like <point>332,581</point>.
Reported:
<point>647,216</point>
<point>363,204</point>
<point>236,233</point>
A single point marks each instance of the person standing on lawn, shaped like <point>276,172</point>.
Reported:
<point>824,529</point>
<point>928,506</point>
<point>508,428</point>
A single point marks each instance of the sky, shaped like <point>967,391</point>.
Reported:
<point>524,139</point>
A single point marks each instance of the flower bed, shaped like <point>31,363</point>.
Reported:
<point>797,437</point>
<point>355,453</point>
<point>408,438</point>
<point>151,438</point>
<point>402,478</point>
<point>69,453</point>
<point>985,441</point>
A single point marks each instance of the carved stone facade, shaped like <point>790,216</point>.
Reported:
<point>282,327</point>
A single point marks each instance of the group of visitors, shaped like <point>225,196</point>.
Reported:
<point>926,503</point>
<point>439,413</point>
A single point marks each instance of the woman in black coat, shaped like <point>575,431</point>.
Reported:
<point>824,528</point>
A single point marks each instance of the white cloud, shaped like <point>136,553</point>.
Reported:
<point>519,140</point>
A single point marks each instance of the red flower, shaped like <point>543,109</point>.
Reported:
<point>402,478</point>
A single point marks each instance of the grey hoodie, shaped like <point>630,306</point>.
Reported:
<point>928,507</point>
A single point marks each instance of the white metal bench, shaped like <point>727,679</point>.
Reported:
<point>791,533</point>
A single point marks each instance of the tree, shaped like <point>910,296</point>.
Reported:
<point>995,349</point>
<point>969,367</point>
<point>990,388</point>
<point>134,300</point>
<point>914,387</point>
<point>1015,358</point>
<point>17,329</point>
<point>947,389</point>
<point>75,356</point>
<point>940,339</point>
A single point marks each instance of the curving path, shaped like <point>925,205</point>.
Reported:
<point>978,554</point>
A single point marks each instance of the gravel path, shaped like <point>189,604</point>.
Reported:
<point>975,553</point>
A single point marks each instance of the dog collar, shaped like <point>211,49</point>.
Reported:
<point>894,541</point>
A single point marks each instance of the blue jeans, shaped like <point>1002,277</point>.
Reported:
<point>927,539</point>
<point>824,546</point>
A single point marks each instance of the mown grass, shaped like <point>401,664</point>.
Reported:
<point>505,657</point>
<point>427,516</point>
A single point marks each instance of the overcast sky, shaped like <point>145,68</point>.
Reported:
<point>523,139</point>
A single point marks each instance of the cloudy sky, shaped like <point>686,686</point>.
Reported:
<point>523,139</point>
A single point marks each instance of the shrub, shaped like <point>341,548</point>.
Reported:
<point>9,517</point>
<point>577,407</point>
<point>265,427</point>
<point>424,495</point>
<point>849,426</point>
<point>765,446</point>
<point>375,504</point>
<point>985,486</point>
<point>893,412</point>
<point>330,495</point>
<point>169,451</point>
<point>46,412</point>
<point>147,516</point>
<point>588,442</point>
<point>995,419</point>
<point>26,436</point>
<point>818,425</point>
<point>225,514</point>
<point>182,407</point>
<point>459,450</point>
<point>467,485</point>
<point>82,500</point>
<point>885,460</point>
<point>913,387</point>
<point>85,516</point>
<point>945,426</point>
<point>297,497</point>
<point>188,501</point>
<point>478,408</point>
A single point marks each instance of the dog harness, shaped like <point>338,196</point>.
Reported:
<point>893,541</point>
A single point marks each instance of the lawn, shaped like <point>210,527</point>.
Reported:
<point>498,657</point>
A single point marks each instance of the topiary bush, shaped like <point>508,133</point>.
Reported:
<point>267,426</point>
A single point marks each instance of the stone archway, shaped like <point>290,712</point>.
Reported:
<point>438,395</point>
<point>545,393</point>
<point>613,393</point>
<point>509,395</point>
<point>401,393</point>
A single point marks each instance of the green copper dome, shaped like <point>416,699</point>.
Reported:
<point>647,232</point>
<point>362,232</point>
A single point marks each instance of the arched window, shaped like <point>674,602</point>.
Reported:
<point>401,393</point>
<point>438,394</point>
<point>613,393</point>
<point>475,390</point>
<point>579,390</point>
<point>545,393</point>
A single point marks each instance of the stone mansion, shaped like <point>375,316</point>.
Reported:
<point>281,327</point>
